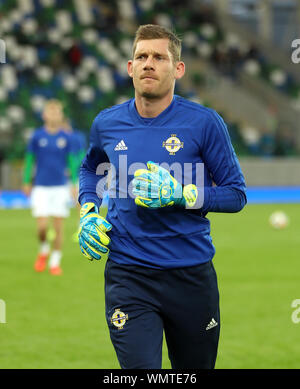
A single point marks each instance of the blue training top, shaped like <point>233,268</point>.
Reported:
<point>186,135</point>
<point>51,153</point>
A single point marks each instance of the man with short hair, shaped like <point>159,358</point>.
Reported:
<point>159,275</point>
<point>50,150</point>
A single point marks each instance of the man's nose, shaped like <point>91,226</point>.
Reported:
<point>149,64</point>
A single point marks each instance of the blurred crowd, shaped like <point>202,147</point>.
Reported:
<point>77,52</point>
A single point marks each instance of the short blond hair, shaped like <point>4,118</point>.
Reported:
<point>154,31</point>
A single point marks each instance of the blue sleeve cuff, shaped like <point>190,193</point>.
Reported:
<point>90,198</point>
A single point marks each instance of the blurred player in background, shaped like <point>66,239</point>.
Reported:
<point>159,274</point>
<point>79,147</point>
<point>78,139</point>
<point>50,152</point>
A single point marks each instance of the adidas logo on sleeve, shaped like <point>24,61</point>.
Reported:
<point>121,146</point>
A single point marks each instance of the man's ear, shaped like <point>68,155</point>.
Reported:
<point>129,68</point>
<point>180,70</point>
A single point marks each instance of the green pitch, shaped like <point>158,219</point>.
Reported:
<point>59,322</point>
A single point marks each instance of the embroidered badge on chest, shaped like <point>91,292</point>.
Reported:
<point>43,142</point>
<point>61,143</point>
<point>172,144</point>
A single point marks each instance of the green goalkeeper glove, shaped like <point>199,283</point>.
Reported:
<point>155,187</point>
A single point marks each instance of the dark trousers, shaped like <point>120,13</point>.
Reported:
<point>141,303</point>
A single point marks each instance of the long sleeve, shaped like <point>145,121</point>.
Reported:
<point>90,175</point>
<point>73,166</point>
<point>229,194</point>
<point>28,166</point>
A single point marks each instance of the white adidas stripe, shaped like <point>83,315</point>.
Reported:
<point>212,324</point>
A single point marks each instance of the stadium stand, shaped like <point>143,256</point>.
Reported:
<point>77,52</point>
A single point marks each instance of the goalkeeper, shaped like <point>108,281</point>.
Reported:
<point>171,163</point>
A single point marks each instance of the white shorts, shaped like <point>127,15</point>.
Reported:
<point>50,201</point>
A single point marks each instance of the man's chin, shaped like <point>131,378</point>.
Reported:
<point>150,95</point>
